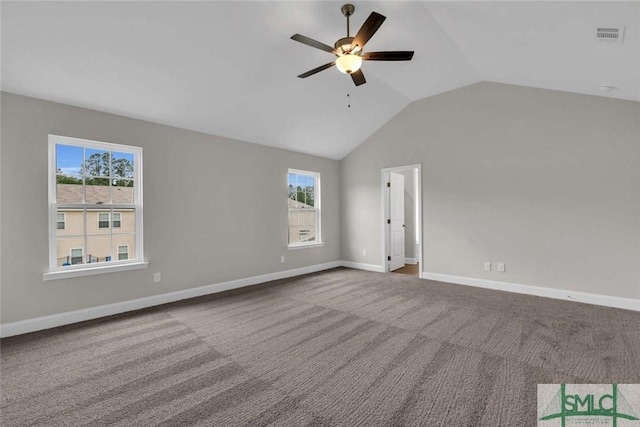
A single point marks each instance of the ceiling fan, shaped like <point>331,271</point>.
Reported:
<point>348,50</point>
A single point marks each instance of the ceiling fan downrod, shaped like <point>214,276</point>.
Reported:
<point>347,10</point>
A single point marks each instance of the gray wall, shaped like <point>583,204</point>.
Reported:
<point>409,215</point>
<point>547,182</point>
<point>215,209</point>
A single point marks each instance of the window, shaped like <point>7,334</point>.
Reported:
<point>123,252</point>
<point>60,220</point>
<point>76,256</point>
<point>103,220</point>
<point>95,201</point>
<point>116,220</point>
<point>304,208</point>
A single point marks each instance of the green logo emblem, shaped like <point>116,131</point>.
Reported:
<point>586,402</point>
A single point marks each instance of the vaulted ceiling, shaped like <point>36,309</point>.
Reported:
<point>229,68</point>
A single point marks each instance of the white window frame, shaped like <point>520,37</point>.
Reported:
<point>118,250</point>
<point>64,220</point>
<point>138,262</point>
<point>317,208</point>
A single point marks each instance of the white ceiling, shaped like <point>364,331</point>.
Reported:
<point>229,68</point>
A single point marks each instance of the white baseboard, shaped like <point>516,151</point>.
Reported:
<point>584,297</point>
<point>54,320</point>
<point>362,266</point>
<point>411,261</point>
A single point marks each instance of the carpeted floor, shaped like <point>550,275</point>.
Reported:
<point>341,347</point>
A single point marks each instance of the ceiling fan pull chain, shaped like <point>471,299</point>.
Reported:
<point>348,101</point>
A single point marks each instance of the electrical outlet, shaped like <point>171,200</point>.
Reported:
<point>157,277</point>
<point>487,266</point>
<point>364,252</point>
<point>502,267</point>
<point>282,259</point>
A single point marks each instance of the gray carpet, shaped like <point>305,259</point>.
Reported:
<point>337,348</point>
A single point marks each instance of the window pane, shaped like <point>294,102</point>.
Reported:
<point>98,222</point>
<point>70,251</point>
<point>307,225</point>
<point>97,190</point>
<point>307,228</point>
<point>125,240</point>
<point>123,252</point>
<point>122,165</point>
<point>309,183</point>
<point>96,162</point>
<point>60,221</point>
<point>68,190</point>
<point>91,176</point>
<point>308,198</point>
<point>116,220</point>
<point>294,235</point>
<point>127,221</point>
<point>73,222</point>
<point>69,160</point>
<point>98,249</point>
<point>122,191</point>
<point>68,173</point>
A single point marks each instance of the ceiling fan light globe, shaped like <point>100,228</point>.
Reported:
<point>348,63</point>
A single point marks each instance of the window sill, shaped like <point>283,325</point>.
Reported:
<point>79,272</point>
<point>304,246</point>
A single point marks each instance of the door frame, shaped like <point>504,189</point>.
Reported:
<point>384,205</point>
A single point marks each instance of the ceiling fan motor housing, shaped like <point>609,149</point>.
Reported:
<point>343,45</point>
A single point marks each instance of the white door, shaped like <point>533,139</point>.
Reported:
<point>396,215</point>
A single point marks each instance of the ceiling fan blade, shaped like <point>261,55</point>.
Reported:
<point>358,78</point>
<point>317,70</point>
<point>311,42</point>
<point>367,30</point>
<point>395,55</point>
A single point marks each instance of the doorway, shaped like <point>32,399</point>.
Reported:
<point>402,212</point>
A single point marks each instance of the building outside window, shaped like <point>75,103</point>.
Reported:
<point>95,200</point>
<point>304,208</point>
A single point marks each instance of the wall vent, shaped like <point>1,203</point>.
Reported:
<point>612,34</point>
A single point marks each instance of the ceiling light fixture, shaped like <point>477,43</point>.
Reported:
<point>349,63</point>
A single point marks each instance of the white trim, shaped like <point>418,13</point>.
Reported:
<point>304,246</point>
<point>362,266</point>
<point>583,297</point>
<point>54,320</point>
<point>411,261</point>
<point>136,206</point>
<point>317,204</point>
<point>111,267</point>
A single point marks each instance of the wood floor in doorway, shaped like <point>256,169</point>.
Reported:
<point>411,269</point>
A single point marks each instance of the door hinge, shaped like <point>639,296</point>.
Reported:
<point>388,221</point>
<point>388,184</point>
<point>388,258</point>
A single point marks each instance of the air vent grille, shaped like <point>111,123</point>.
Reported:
<point>613,34</point>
